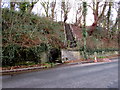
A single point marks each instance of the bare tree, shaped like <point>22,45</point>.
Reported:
<point>30,7</point>
<point>108,16</point>
<point>115,25</point>
<point>119,23</point>
<point>61,11</point>
<point>0,3</point>
<point>79,15</point>
<point>53,5</point>
<point>84,32</point>
<point>46,7</point>
<point>65,6</point>
<point>96,14</point>
<point>25,6</point>
<point>12,5</point>
<point>119,16</point>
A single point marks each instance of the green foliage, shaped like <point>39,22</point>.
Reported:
<point>10,54</point>
<point>84,32</point>
<point>91,51</point>
<point>101,57</point>
<point>26,63</point>
<point>84,8</point>
<point>17,24</point>
<point>23,6</point>
<point>14,54</point>
<point>26,36</point>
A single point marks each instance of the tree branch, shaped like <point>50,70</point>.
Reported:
<point>103,10</point>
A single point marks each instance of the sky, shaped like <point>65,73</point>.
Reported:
<point>38,9</point>
<point>71,15</point>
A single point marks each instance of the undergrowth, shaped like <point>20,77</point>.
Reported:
<point>25,36</point>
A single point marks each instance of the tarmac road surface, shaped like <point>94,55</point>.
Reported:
<point>100,75</point>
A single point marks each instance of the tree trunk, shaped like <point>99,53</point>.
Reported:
<point>53,5</point>
<point>119,25</point>
<point>31,7</point>
<point>12,5</point>
<point>84,30</point>
<point>46,8</point>
<point>108,18</point>
<point>96,16</point>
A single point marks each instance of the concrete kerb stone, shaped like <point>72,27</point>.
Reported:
<point>42,67</point>
<point>21,69</point>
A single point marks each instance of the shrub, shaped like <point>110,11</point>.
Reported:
<point>10,55</point>
<point>25,37</point>
<point>14,54</point>
<point>91,51</point>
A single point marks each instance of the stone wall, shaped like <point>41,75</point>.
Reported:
<point>44,57</point>
<point>70,55</point>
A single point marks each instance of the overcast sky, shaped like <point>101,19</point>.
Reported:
<point>71,16</point>
<point>38,9</point>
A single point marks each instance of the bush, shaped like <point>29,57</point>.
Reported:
<point>14,54</point>
<point>25,37</point>
<point>91,51</point>
<point>10,55</point>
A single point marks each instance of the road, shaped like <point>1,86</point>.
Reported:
<point>101,75</point>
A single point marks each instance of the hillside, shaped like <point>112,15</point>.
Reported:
<point>98,40</point>
<point>25,37</point>
<point>29,30</point>
<point>28,37</point>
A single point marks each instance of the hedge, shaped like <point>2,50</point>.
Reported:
<point>14,54</point>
